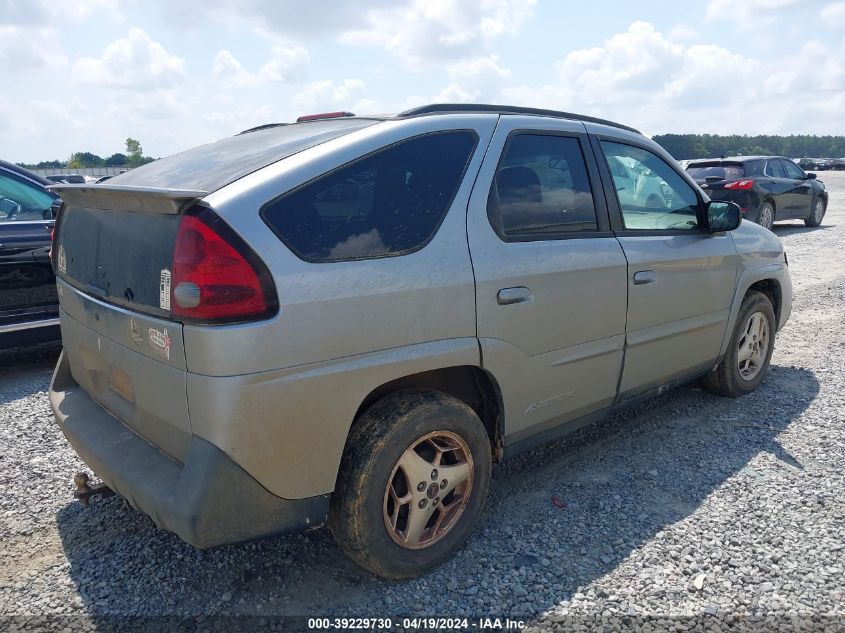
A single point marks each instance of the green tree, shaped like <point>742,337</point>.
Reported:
<point>134,152</point>
<point>115,160</point>
<point>85,159</point>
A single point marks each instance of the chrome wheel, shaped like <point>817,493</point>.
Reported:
<point>766,219</point>
<point>428,489</point>
<point>753,346</point>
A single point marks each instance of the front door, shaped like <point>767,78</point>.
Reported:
<point>550,276</point>
<point>681,278</point>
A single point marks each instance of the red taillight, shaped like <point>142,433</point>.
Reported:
<point>740,185</point>
<point>216,276</point>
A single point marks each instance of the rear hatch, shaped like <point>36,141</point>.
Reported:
<point>139,255</point>
<point>113,256</point>
<point>721,180</point>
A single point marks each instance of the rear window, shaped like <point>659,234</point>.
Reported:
<point>212,166</point>
<point>387,203</point>
<point>725,172</point>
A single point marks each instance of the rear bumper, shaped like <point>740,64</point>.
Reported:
<point>209,500</point>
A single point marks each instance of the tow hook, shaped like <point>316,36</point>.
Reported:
<point>84,492</point>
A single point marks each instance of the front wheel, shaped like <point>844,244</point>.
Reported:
<point>817,214</point>
<point>412,483</point>
<point>750,350</point>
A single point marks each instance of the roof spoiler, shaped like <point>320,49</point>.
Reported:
<point>127,197</point>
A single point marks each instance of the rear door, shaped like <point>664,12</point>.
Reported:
<point>680,278</point>
<point>775,182</point>
<point>550,276</point>
<point>113,257</point>
<point>799,190</point>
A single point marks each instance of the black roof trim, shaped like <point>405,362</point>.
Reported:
<point>261,127</point>
<point>440,108</point>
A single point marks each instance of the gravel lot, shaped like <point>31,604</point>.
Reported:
<point>691,510</point>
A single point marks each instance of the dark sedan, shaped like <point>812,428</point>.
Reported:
<point>766,188</point>
<point>28,303</point>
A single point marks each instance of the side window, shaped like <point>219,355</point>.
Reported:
<point>792,170</point>
<point>541,189</point>
<point>774,169</point>
<point>651,194</point>
<point>387,203</point>
<point>21,201</point>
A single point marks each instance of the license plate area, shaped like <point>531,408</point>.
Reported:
<point>121,383</point>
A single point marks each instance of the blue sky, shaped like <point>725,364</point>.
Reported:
<point>82,76</point>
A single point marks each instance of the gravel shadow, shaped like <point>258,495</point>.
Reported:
<point>620,482</point>
<point>19,365</point>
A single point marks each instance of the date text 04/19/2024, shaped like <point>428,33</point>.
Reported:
<point>416,624</point>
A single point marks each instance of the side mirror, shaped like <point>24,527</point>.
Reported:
<point>723,216</point>
<point>811,176</point>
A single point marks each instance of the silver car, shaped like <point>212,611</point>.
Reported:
<point>349,320</point>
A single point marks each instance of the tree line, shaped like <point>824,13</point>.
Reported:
<point>133,157</point>
<point>683,146</point>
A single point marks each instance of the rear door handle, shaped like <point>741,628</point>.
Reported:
<point>644,277</point>
<point>517,294</point>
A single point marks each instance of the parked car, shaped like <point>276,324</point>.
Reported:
<point>815,164</point>
<point>766,188</point>
<point>837,164</point>
<point>349,320</point>
<point>70,178</point>
<point>29,307</point>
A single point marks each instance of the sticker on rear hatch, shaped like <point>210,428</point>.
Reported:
<point>159,341</point>
<point>62,260</point>
<point>164,290</point>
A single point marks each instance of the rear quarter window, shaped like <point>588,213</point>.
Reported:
<point>385,204</point>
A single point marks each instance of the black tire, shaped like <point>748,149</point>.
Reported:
<point>816,213</point>
<point>726,380</point>
<point>766,215</point>
<point>390,427</point>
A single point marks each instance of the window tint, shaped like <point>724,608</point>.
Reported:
<point>388,203</point>
<point>541,189</point>
<point>725,172</point>
<point>774,169</point>
<point>21,201</point>
<point>652,195</point>
<point>792,170</point>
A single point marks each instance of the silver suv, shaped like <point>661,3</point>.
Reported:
<point>349,320</point>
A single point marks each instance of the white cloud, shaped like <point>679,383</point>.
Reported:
<point>833,14</point>
<point>643,78</point>
<point>426,32</point>
<point>287,64</point>
<point>135,62</point>
<point>329,96</point>
<point>26,49</point>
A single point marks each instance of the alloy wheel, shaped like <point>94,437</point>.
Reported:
<point>428,490</point>
<point>753,346</point>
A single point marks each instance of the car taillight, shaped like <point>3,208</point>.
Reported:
<point>740,185</point>
<point>216,277</point>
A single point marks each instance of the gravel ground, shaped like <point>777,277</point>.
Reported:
<point>691,511</point>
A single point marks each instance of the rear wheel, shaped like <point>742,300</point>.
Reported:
<point>745,363</point>
<point>817,214</point>
<point>412,483</point>
<point>766,216</point>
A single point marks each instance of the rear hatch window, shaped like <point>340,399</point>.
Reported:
<point>212,166</point>
<point>703,172</point>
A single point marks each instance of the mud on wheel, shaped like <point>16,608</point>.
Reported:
<point>412,484</point>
